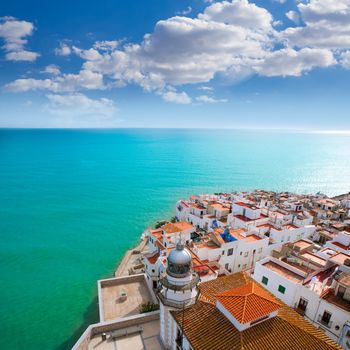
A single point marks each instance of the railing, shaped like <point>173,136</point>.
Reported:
<point>323,322</point>
<point>179,287</point>
<point>176,303</point>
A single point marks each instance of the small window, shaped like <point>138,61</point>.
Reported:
<point>230,251</point>
<point>265,280</point>
<point>240,253</point>
<point>153,270</point>
<point>223,252</point>
<point>239,265</point>
<point>281,289</point>
<point>226,266</point>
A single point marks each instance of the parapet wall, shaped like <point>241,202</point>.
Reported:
<point>104,327</point>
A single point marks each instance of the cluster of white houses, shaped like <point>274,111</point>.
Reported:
<point>246,270</point>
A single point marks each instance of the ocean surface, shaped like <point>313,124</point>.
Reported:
<point>73,201</point>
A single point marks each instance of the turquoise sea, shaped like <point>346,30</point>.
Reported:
<point>72,202</point>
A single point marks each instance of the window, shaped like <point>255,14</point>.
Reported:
<point>230,251</point>
<point>240,253</point>
<point>239,265</point>
<point>326,317</point>
<point>223,252</point>
<point>246,254</point>
<point>153,270</point>
<point>226,266</point>
<point>281,289</point>
<point>341,291</point>
<point>264,280</point>
<point>302,304</point>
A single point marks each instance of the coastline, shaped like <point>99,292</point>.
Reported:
<point>125,263</point>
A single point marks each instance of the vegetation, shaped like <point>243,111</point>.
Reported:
<point>148,307</point>
<point>160,224</point>
<point>173,219</point>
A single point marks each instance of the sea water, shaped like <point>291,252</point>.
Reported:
<point>73,201</point>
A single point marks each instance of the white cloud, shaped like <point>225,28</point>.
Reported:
<point>231,41</point>
<point>52,69</point>
<point>176,97</point>
<point>106,45</point>
<point>63,50</point>
<point>185,12</point>
<point>85,80</point>
<point>293,16</point>
<point>345,59</point>
<point>14,33</point>
<point>289,62</point>
<point>209,99</point>
<point>78,103</point>
<point>206,88</point>
<point>327,25</point>
<point>239,13</point>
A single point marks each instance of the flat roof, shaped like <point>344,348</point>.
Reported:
<point>114,305</point>
<point>284,271</point>
<point>302,244</point>
<point>314,258</point>
<point>141,337</point>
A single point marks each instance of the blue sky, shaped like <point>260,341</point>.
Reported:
<point>175,63</point>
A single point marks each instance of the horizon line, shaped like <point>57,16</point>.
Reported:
<point>307,131</point>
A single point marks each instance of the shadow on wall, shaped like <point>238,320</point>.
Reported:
<point>90,316</point>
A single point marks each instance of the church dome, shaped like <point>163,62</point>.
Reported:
<point>179,262</point>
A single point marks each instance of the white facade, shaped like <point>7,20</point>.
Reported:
<point>296,293</point>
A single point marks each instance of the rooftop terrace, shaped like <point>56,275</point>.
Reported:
<point>120,297</point>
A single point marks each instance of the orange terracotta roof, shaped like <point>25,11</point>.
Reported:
<point>183,225</point>
<point>206,327</point>
<point>170,228</point>
<point>176,227</point>
<point>248,302</point>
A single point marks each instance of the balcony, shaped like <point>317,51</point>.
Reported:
<point>324,322</point>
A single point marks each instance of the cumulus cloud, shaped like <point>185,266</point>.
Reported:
<point>85,80</point>
<point>176,97</point>
<point>289,62</point>
<point>14,33</point>
<point>63,50</point>
<point>229,40</point>
<point>345,59</point>
<point>239,13</point>
<point>209,99</point>
<point>293,16</point>
<point>327,25</point>
<point>52,69</point>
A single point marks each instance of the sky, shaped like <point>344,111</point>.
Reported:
<point>272,64</point>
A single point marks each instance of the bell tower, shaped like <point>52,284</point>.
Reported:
<point>178,289</point>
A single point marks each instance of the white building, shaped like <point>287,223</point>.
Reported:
<point>317,288</point>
